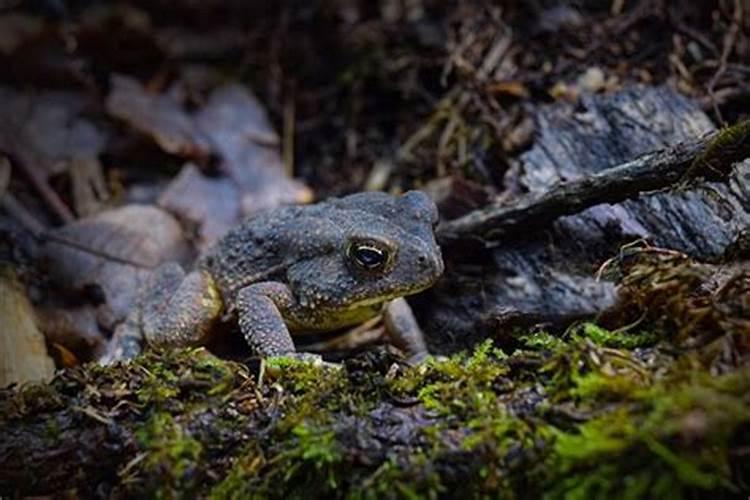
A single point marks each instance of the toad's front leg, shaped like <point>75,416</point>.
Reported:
<point>260,307</point>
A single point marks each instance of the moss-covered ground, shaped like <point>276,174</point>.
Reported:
<point>568,417</point>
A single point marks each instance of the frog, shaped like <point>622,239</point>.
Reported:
<point>298,270</point>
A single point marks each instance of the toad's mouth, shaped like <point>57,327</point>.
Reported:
<point>371,301</point>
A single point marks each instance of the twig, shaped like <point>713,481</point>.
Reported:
<point>728,45</point>
<point>4,175</point>
<point>13,207</point>
<point>288,141</point>
<point>39,182</point>
<point>651,172</point>
<point>722,96</point>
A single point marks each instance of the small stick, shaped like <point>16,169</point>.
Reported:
<point>11,205</point>
<point>730,38</point>
<point>51,198</point>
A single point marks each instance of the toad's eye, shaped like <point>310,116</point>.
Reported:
<point>368,256</point>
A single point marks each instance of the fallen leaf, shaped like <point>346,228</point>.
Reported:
<point>247,144</point>
<point>210,204</point>
<point>159,116</point>
<point>115,251</point>
<point>23,354</point>
<point>47,130</point>
<point>89,188</point>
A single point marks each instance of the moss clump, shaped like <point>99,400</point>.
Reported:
<point>541,341</point>
<point>671,442</point>
<point>299,453</point>
<point>458,386</point>
<point>171,459</point>
<point>478,429</point>
<point>729,145</point>
<point>169,381</point>
<point>621,339</point>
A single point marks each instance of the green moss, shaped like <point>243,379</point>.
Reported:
<point>410,478</point>
<point>622,339</point>
<point>597,386</point>
<point>470,395</point>
<point>300,454</point>
<point>305,462</point>
<point>581,415</point>
<point>52,429</point>
<point>317,446</point>
<point>673,440</point>
<point>731,144</point>
<point>541,341</point>
<point>172,457</point>
<point>37,398</point>
<point>171,380</point>
<point>236,484</point>
<point>457,386</point>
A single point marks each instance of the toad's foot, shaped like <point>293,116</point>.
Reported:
<point>126,342</point>
<point>173,309</point>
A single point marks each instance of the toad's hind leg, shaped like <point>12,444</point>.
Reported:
<point>404,330</point>
<point>179,309</point>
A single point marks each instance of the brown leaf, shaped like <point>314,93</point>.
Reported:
<point>114,251</point>
<point>23,355</point>
<point>232,126</point>
<point>160,116</point>
<point>89,186</point>
<point>212,205</point>
<point>243,137</point>
<point>47,130</point>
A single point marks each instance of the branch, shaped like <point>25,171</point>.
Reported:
<point>710,156</point>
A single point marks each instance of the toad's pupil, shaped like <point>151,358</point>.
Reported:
<point>369,257</point>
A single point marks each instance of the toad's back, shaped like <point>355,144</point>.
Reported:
<point>309,249</point>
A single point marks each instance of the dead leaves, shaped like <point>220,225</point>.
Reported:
<point>200,144</point>
<point>232,129</point>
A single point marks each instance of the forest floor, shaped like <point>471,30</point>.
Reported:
<point>110,106</point>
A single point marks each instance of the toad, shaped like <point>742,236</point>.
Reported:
<point>298,270</point>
